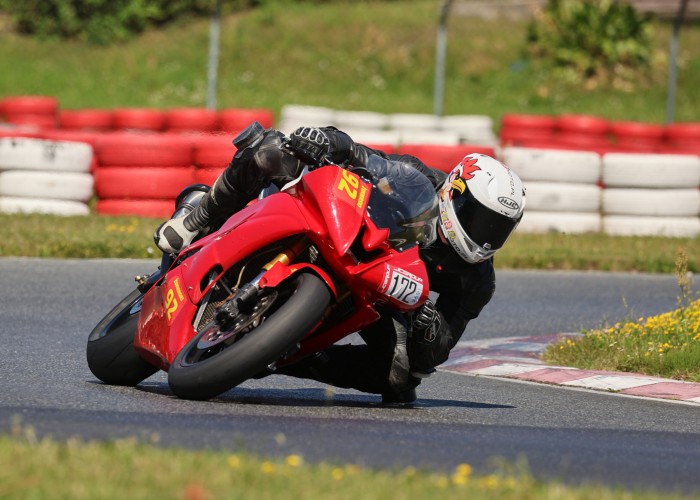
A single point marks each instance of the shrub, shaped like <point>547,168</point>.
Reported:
<point>100,21</point>
<point>594,40</point>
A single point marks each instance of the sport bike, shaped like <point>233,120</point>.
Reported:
<point>287,276</point>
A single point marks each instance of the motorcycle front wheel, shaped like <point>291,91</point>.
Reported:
<point>220,357</point>
<point>111,355</point>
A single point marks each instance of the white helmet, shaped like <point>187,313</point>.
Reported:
<point>481,203</point>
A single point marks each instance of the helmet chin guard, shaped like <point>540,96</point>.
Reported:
<point>481,204</point>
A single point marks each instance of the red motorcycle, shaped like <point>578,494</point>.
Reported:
<point>286,277</point>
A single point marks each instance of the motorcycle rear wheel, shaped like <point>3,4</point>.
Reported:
<point>111,355</point>
<point>201,372</point>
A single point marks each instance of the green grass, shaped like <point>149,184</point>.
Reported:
<point>351,55</point>
<point>95,236</point>
<point>666,345</point>
<point>45,468</point>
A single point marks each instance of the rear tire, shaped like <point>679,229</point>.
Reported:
<point>111,355</point>
<point>200,373</point>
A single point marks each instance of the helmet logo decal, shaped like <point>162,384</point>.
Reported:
<point>508,203</point>
<point>459,185</point>
<point>458,177</point>
<point>469,166</point>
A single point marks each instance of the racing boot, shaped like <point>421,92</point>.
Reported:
<point>221,201</point>
<point>257,162</point>
<point>404,398</point>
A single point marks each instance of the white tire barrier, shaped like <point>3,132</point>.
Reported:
<point>531,164</point>
<point>635,225</point>
<point>38,154</point>
<point>368,137</point>
<point>650,170</point>
<point>654,202</point>
<point>435,137</point>
<point>413,121</point>
<point>76,186</point>
<point>559,222</point>
<point>562,197</point>
<point>13,205</point>
<point>475,129</point>
<point>293,116</point>
<point>360,120</point>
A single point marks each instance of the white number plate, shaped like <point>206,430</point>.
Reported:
<point>402,286</point>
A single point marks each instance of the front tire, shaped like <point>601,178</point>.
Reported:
<point>205,368</point>
<point>111,355</point>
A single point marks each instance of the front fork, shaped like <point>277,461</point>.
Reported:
<point>248,295</point>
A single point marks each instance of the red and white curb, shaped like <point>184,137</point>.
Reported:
<point>520,358</point>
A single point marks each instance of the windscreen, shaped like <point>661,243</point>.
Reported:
<point>403,201</point>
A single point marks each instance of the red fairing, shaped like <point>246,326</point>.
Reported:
<point>342,206</point>
<point>257,225</point>
<point>165,323</point>
<point>325,211</point>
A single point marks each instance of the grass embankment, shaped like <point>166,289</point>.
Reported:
<point>44,468</point>
<point>95,236</point>
<point>349,55</point>
<point>667,345</point>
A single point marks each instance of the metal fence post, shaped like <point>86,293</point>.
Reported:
<point>440,53</point>
<point>213,65</point>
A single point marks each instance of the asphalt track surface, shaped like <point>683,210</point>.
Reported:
<point>50,306</point>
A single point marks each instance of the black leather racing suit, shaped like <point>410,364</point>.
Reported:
<point>463,288</point>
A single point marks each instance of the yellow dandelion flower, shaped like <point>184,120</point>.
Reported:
<point>294,460</point>
<point>464,470</point>
<point>267,467</point>
<point>234,461</point>
<point>337,474</point>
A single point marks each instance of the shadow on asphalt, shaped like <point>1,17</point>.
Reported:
<point>315,397</point>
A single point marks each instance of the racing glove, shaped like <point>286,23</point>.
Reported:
<point>311,144</point>
<point>425,346</point>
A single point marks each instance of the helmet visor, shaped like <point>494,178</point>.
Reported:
<point>483,226</point>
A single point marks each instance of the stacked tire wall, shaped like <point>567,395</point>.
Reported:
<point>648,175</point>
<point>141,174</point>
<point>582,173</point>
<point>41,176</point>
<point>651,194</point>
<point>563,191</point>
<point>140,158</point>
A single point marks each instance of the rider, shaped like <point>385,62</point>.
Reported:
<point>481,202</point>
